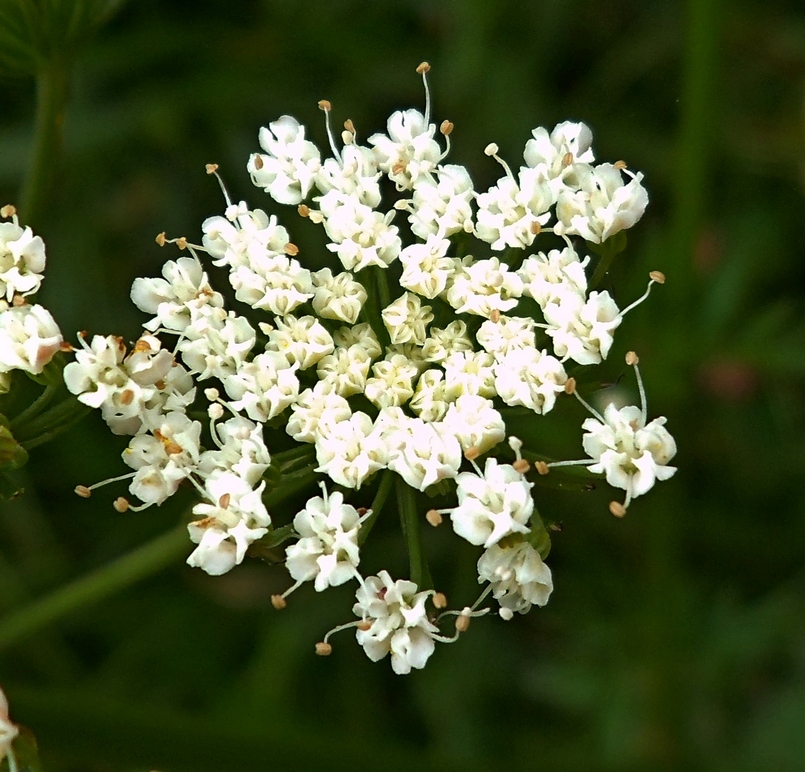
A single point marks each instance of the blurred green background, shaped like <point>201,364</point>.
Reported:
<point>675,638</point>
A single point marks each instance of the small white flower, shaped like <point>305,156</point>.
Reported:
<point>315,408</point>
<point>426,269</point>
<point>22,261</point>
<point>483,286</point>
<point>518,575</point>
<point>549,277</point>
<point>632,453</point>
<point>362,236</point>
<point>347,369</point>
<point>442,203</point>
<point>399,622</point>
<point>360,335</point>
<point>243,238</point>
<point>475,423</point>
<point>409,151</point>
<point>241,450</point>
<point>302,341</point>
<point>469,372</point>
<point>350,450</point>
<point>327,552</point>
<point>560,155</point>
<point>508,333</point>
<point>337,297</point>
<point>583,330</point>
<point>29,338</point>
<point>430,401</point>
<point>492,504</point>
<point>216,344</point>
<point>530,378</point>
<point>264,387</point>
<point>422,453</point>
<point>179,298</point>
<point>603,206</point>
<point>443,342</point>
<point>355,174</point>
<point>407,319</point>
<point>391,383</point>
<point>288,169</point>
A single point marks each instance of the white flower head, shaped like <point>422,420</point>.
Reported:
<point>492,504</point>
<point>337,297</point>
<point>409,152</point>
<point>350,450</point>
<point>518,576</point>
<point>22,260</point>
<point>327,551</point>
<point>399,622</point>
<point>549,277</point>
<point>290,164</point>
<point>29,338</point>
<point>442,203</point>
<point>583,330</point>
<point>407,319</point>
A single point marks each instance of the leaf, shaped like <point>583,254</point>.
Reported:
<point>8,488</point>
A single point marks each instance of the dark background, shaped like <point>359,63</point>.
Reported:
<point>675,638</point>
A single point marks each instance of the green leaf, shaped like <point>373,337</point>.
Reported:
<point>8,488</point>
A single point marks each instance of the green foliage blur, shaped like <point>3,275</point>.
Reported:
<point>675,639</point>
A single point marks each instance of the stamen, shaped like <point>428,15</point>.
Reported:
<point>423,69</point>
<point>434,517</point>
<point>446,130</point>
<point>278,602</point>
<point>213,169</point>
<point>542,468</point>
<point>439,600</point>
<point>580,462</point>
<point>160,239</point>
<point>588,406</point>
<point>632,359</point>
<point>617,509</point>
<point>645,294</point>
<point>349,136</point>
<point>326,107</point>
<point>346,626</point>
<point>620,165</point>
<point>85,491</point>
<point>492,150</point>
<point>8,211</point>
<point>323,649</point>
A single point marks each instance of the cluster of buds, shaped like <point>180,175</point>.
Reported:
<point>402,364</point>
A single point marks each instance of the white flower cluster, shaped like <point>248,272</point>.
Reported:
<point>29,336</point>
<point>398,359</point>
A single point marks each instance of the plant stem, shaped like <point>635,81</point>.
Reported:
<point>52,86</point>
<point>95,586</point>
<point>37,406</point>
<point>409,517</point>
<point>386,481</point>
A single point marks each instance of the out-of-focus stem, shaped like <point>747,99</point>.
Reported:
<point>105,581</point>
<point>386,481</point>
<point>52,86</point>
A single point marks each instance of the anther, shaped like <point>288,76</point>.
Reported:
<point>463,622</point>
<point>223,502</point>
<point>446,128</point>
<point>211,168</point>
<point>304,210</point>
<point>617,509</point>
<point>542,468</point>
<point>440,600</point>
<point>364,625</point>
<point>258,162</point>
<point>120,504</point>
<point>657,276</point>
<point>324,104</point>
<point>434,517</point>
<point>9,210</point>
<point>491,149</point>
<point>632,358</point>
<point>536,228</point>
<point>278,602</point>
<point>160,239</point>
<point>181,242</point>
<point>472,453</point>
<point>423,68</point>
<point>127,397</point>
<point>215,411</point>
<point>291,249</point>
<point>323,649</point>
<point>620,165</point>
<point>349,125</point>
<point>66,347</point>
<point>567,159</point>
<point>83,491</point>
<point>521,466</point>
<point>211,394</point>
<point>172,448</point>
<point>494,317</point>
<point>570,386</point>
<point>18,301</point>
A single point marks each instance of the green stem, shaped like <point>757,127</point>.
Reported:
<point>65,412</point>
<point>289,486</point>
<point>52,86</point>
<point>36,407</point>
<point>409,517</point>
<point>93,587</point>
<point>386,481</point>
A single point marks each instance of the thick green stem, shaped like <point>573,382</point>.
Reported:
<point>409,518</point>
<point>386,481</point>
<point>52,86</point>
<point>102,583</point>
<point>63,414</point>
